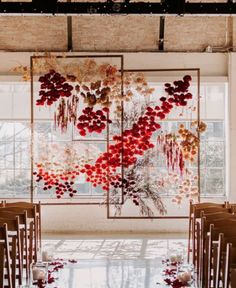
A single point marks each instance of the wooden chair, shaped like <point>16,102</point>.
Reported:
<point>32,217</point>
<point>229,275</point>
<point>212,247</point>
<point>26,235</point>
<point>196,217</point>
<point>38,215</point>
<point>221,259</point>
<point>194,213</point>
<point>5,258</point>
<point>228,235</point>
<point>15,245</point>
<point>210,230</point>
<point>215,250</point>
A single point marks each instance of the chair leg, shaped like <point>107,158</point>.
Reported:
<point>227,265</point>
<point>208,262</point>
<point>40,232</point>
<point>35,237</point>
<point>2,264</point>
<point>218,261</point>
<point>193,241</point>
<point>8,264</point>
<point>214,264</point>
<point>22,246</point>
<point>31,240</point>
<point>198,248</point>
<point>189,236</point>
<point>26,248</point>
<point>19,257</point>
<point>13,261</point>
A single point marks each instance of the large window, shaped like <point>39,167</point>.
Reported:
<point>214,140</point>
<point>14,159</point>
<point>15,137</point>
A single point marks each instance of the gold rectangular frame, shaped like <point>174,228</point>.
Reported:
<point>197,70</point>
<point>32,124</point>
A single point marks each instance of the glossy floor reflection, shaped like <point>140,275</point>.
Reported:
<point>135,248</point>
<point>112,262</point>
<point>110,274</point>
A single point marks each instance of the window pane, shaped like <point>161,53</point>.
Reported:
<point>15,137</point>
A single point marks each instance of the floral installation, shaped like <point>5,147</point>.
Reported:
<point>134,142</point>
<point>53,87</point>
<point>67,84</point>
<point>181,146</point>
<point>188,187</point>
<point>66,113</point>
<point>68,91</point>
<point>190,141</point>
<point>64,85</point>
<point>172,151</point>
<point>180,186</point>
<point>88,95</point>
<point>59,167</point>
<point>136,83</point>
<point>44,62</point>
<point>93,121</point>
<point>137,187</point>
<point>137,140</point>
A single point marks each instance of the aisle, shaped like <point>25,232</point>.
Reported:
<point>115,246</point>
<point>113,262</point>
<point>107,273</point>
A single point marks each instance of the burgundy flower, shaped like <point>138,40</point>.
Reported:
<point>163,99</point>
<point>53,86</point>
<point>187,78</point>
<point>92,121</point>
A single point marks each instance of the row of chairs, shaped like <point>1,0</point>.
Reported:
<point>212,244</point>
<point>20,241</point>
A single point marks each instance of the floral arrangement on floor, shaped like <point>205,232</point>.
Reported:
<point>54,266</point>
<point>173,275</point>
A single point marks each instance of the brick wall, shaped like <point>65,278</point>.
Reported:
<point>115,33</point>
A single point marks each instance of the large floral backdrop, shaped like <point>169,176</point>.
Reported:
<point>135,135</point>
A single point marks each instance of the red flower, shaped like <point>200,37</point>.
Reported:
<point>82,133</point>
<point>92,121</point>
<point>163,99</point>
<point>52,88</point>
<point>187,78</point>
<point>161,115</point>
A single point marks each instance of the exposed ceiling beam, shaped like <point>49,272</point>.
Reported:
<point>69,32</point>
<point>169,7</point>
<point>162,30</point>
<point>162,33</point>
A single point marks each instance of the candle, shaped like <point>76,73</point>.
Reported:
<point>46,256</point>
<point>38,274</point>
<point>178,258</point>
<point>185,277</point>
<point>173,258</point>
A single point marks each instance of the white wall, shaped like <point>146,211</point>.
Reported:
<point>93,218</point>
<point>232,127</point>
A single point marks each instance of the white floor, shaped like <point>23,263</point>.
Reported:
<point>111,247</point>
<point>113,261</point>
